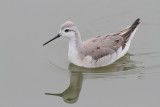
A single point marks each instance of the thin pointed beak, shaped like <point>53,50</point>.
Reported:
<point>54,94</point>
<point>52,39</point>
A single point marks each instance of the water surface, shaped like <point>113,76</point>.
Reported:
<point>29,71</point>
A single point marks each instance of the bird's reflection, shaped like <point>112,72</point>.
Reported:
<point>71,94</point>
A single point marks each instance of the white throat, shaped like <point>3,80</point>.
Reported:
<point>73,52</point>
<point>74,49</point>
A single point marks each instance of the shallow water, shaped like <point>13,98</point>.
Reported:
<point>29,71</point>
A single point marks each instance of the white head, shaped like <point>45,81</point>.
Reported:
<point>68,29</point>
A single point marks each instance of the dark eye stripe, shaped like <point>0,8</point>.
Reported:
<point>67,30</point>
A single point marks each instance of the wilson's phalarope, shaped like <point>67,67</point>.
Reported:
<point>98,51</point>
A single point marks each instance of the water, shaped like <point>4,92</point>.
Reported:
<point>29,70</point>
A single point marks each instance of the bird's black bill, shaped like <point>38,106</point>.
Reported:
<point>52,39</point>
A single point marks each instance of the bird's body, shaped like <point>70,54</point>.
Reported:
<point>98,51</point>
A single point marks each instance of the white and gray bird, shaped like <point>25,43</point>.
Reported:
<point>98,51</point>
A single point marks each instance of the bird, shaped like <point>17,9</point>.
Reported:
<point>98,51</point>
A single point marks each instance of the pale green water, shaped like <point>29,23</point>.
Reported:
<point>29,70</point>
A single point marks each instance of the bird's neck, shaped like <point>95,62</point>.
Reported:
<point>75,48</point>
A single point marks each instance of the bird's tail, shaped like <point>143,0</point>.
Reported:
<point>135,24</point>
<point>131,30</point>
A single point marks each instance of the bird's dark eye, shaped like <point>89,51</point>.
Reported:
<point>67,30</point>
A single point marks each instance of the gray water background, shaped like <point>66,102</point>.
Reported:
<point>28,70</point>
